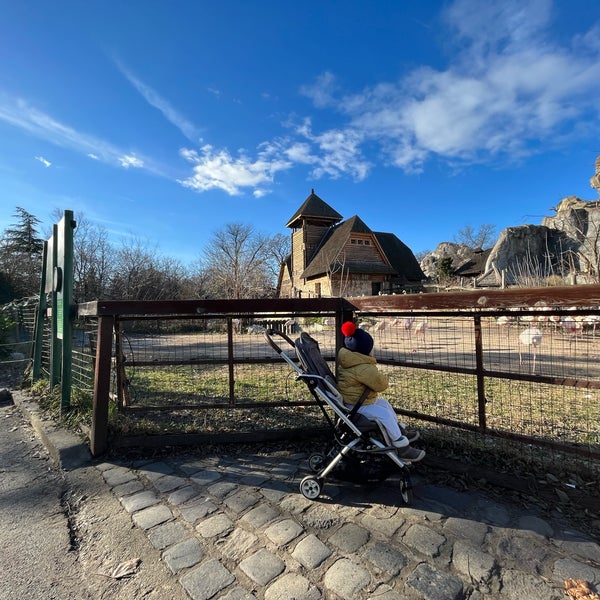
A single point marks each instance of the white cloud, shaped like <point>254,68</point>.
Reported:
<point>219,170</point>
<point>336,152</point>
<point>45,162</point>
<point>508,91</point>
<point>20,114</point>
<point>322,91</point>
<point>129,160</point>
<point>161,104</point>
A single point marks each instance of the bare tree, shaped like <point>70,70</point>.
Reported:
<point>483,238</point>
<point>93,261</point>
<point>237,263</point>
<point>140,273</point>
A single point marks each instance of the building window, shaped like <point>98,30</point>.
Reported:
<point>353,241</point>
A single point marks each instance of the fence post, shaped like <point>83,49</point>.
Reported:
<point>481,401</point>
<point>230,361</point>
<point>99,432</point>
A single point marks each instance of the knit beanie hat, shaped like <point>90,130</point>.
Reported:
<point>357,340</point>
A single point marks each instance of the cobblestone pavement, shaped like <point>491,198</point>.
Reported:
<point>236,527</point>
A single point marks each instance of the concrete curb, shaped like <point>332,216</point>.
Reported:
<point>67,449</point>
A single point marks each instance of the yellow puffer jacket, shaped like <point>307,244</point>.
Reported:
<point>357,371</point>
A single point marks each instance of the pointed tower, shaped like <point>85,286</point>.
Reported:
<point>309,224</point>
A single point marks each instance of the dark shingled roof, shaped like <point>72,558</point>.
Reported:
<point>400,256</point>
<point>401,261</point>
<point>314,209</point>
<point>474,266</point>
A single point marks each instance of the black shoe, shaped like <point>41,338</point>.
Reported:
<point>411,434</point>
<point>411,455</point>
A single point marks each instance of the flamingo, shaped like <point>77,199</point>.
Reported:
<point>505,321</point>
<point>532,336</point>
<point>420,330</point>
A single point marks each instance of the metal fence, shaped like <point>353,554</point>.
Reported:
<point>17,323</point>
<point>517,376</point>
<point>513,373</point>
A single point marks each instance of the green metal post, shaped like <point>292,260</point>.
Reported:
<point>38,338</point>
<point>55,341</point>
<point>66,227</point>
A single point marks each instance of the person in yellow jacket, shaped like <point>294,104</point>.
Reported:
<point>357,370</point>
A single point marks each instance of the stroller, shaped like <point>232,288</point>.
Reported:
<point>359,451</point>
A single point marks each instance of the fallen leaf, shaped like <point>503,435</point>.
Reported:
<point>578,589</point>
<point>125,569</point>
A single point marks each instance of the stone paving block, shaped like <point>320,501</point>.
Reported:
<point>524,550</point>
<point>293,586</point>
<point>471,561</point>
<point>182,495</point>
<point>569,567</point>
<point>383,527</point>
<point>294,504</point>
<point>127,489</point>
<point>153,471</point>
<point>577,543</point>
<point>424,540</point>
<point>207,580</point>
<point>167,534</point>
<point>105,466</point>
<point>169,483</point>
<point>241,501</point>
<point>197,509</point>
<point>535,525</point>
<point>319,517</point>
<point>254,479</point>
<point>262,567</point>
<point>260,515</point>
<point>139,501</point>
<point>118,476</point>
<point>239,543</point>
<point>518,586</point>
<point>431,584</point>
<point>350,537</point>
<point>311,552</point>
<point>385,557</point>
<point>152,516</point>
<point>205,477</point>
<point>222,489</point>
<point>214,526</point>
<point>346,579</point>
<point>276,491</point>
<point>283,532</point>
<point>493,513</point>
<point>467,529</point>
<point>284,470</point>
<point>183,555</point>
<point>189,467</point>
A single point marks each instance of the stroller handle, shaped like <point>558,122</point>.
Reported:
<point>269,333</point>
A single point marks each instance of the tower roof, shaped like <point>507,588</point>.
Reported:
<point>314,209</point>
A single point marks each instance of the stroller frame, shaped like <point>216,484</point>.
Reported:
<point>354,434</point>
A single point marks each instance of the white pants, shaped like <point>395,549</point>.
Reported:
<point>383,413</point>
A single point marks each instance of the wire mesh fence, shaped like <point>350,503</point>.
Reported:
<point>523,383</point>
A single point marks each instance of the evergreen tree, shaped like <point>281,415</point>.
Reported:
<point>445,270</point>
<point>21,251</point>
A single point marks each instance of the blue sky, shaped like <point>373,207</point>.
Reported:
<point>166,120</point>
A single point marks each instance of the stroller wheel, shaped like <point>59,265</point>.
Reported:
<point>310,487</point>
<point>315,462</point>
<point>406,490</point>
